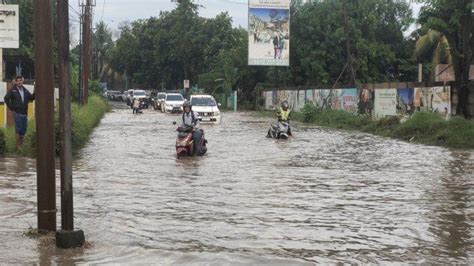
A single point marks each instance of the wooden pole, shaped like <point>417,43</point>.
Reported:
<point>67,212</point>
<point>87,51</point>
<point>45,161</point>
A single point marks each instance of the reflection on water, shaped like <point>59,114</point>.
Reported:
<point>452,196</point>
<point>323,196</point>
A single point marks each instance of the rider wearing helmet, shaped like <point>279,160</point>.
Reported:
<point>284,114</point>
<point>191,119</point>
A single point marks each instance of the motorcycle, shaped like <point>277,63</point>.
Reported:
<point>185,144</point>
<point>279,130</point>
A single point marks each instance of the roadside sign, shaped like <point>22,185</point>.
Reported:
<point>186,83</point>
<point>9,26</point>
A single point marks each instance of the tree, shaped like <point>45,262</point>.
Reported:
<point>102,44</point>
<point>454,19</point>
<point>374,29</point>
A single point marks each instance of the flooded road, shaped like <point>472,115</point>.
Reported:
<point>323,196</point>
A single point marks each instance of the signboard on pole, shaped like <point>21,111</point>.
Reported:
<point>9,26</point>
<point>186,83</point>
<point>269,32</point>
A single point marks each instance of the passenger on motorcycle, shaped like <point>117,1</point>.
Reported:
<point>190,119</point>
<point>284,115</point>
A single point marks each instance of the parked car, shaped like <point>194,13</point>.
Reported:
<point>173,103</point>
<point>207,108</point>
<point>113,95</point>
<point>128,95</point>
<point>122,96</point>
<point>140,94</point>
<point>158,100</point>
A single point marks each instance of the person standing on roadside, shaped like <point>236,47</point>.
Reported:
<point>136,105</point>
<point>17,100</point>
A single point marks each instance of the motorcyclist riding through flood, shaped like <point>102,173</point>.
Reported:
<point>190,119</point>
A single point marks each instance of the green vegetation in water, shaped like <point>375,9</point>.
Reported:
<point>84,120</point>
<point>425,128</point>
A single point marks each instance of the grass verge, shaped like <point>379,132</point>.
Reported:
<point>84,120</point>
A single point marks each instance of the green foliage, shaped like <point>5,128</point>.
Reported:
<point>426,128</point>
<point>375,32</point>
<point>85,119</point>
<point>95,88</point>
<point>454,20</point>
<point>334,118</point>
<point>181,45</point>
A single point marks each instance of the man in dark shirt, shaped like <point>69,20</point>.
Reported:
<point>17,100</point>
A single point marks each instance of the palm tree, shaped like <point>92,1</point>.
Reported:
<point>433,47</point>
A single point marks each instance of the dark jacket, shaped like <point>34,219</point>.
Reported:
<point>276,41</point>
<point>15,103</point>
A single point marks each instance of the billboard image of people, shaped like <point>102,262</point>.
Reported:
<point>405,101</point>
<point>269,32</point>
<point>439,100</point>
<point>366,102</point>
<point>420,100</point>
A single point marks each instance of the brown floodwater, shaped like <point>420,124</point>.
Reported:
<point>323,196</point>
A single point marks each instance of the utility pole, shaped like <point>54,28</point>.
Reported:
<point>45,161</point>
<point>81,53</point>
<point>86,52</point>
<point>348,44</point>
<point>67,237</point>
<point>86,47</point>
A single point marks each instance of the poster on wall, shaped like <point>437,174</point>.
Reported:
<point>420,99</point>
<point>385,102</point>
<point>309,96</point>
<point>268,100</point>
<point>365,102</point>
<point>301,100</point>
<point>439,100</point>
<point>405,101</point>
<point>269,32</point>
<point>321,98</point>
<point>349,100</point>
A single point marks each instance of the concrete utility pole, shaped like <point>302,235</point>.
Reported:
<point>67,237</point>
<point>67,222</point>
<point>45,161</point>
<point>86,63</point>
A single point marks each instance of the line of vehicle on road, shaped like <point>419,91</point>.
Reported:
<point>204,104</point>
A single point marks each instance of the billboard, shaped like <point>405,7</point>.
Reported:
<point>385,103</point>
<point>350,99</point>
<point>405,101</point>
<point>439,100</point>
<point>269,32</point>
<point>9,26</point>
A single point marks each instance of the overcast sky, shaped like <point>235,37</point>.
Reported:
<point>113,12</point>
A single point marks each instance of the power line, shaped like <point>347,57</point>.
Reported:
<point>71,7</point>
<point>103,8</point>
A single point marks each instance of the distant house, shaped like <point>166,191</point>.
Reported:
<point>445,72</point>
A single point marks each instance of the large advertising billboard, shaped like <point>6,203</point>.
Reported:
<point>269,32</point>
<point>9,26</point>
<point>385,103</point>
